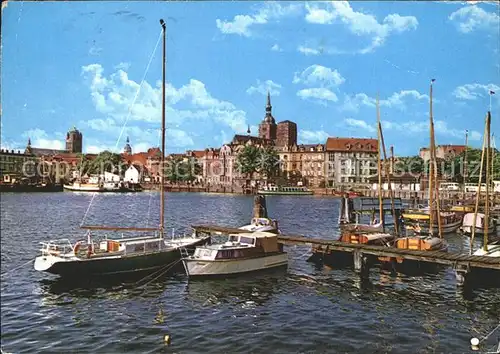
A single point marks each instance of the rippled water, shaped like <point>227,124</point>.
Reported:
<point>305,309</point>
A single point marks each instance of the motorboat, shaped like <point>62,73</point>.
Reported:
<point>241,253</point>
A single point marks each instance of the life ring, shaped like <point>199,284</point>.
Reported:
<point>76,248</point>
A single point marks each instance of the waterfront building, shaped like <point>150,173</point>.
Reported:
<point>127,149</point>
<point>133,174</point>
<point>444,152</point>
<point>15,165</point>
<point>147,162</point>
<point>350,161</point>
<point>303,163</point>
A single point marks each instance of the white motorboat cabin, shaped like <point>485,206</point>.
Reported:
<point>244,245</point>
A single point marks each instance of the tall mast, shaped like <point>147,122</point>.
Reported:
<point>487,207</point>
<point>162,161</point>
<point>379,167</point>
<point>431,168</point>
<point>465,165</point>
<point>478,193</point>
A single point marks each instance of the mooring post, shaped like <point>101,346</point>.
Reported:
<point>462,273</point>
<point>360,263</point>
<point>259,207</point>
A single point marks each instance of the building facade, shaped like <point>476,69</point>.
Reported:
<point>350,161</point>
<point>16,165</point>
<point>303,163</point>
<point>445,152</point>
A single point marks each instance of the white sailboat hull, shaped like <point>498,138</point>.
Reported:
<point>493,251</point>
<point>82,187</point>
<point>198,267</point>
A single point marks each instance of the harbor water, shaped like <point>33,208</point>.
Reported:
<point>306,308</point>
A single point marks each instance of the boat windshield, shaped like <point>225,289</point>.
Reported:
<point>247,240</point>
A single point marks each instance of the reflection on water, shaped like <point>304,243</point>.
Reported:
<point>308,308</point>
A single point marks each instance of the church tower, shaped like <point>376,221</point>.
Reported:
<point>267,128</point>
<point>74,141</point>
<point>127,149</point>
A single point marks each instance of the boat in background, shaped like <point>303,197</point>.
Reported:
<point>419,221</point>
<point>281,190</point>
<point>241,253</point>
<point>480,228</point>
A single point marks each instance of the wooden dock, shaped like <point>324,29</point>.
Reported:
<point>462,264</point>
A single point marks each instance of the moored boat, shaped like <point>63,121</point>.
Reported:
<point>419,222</point>
<point>242,253</point>
<point>262,224</point>
<point>480,228</point>
<point>281,190</point>
<point>83,187</point>
<point>106,257</point>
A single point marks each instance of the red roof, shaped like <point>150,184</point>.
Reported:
<point>351,144</point>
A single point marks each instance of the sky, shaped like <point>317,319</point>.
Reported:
<point>82,64</point>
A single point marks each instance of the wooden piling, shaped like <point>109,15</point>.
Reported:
<point>259,207</point>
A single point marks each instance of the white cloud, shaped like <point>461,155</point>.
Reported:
<point>114,95</point>
<point>276,48</point>
<point>397,100</point>
<point>357,123</point>
<point>313,137</point>
<point>264,87</point>
<point>472,18</point>
<point>414,127</point>
<point>40,139</point>
<point>359,23</point>
<point>473,91</point>
<point>319,75</point>
<point>308,51</point>
<point>270,11</point>
<point>123,66</point>
<point>319,95</point>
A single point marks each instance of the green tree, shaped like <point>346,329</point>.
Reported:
<point>252,159</point>
<point>268,162</point>
<point>248,159</point>
<point>180,170</point>
<point>84,164</point>
<point>107,161</point>
<point>455,168</point>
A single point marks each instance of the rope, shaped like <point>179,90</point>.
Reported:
<point>22,265</point>
<point>129,113</point>
<point>489,334</point>
<point>162,272</point>
<point>139,89</point>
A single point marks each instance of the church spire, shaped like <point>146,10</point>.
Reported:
<point>268,105</point>
<point>29,142</point>
<point>248,130</point>
<point>269,116</point>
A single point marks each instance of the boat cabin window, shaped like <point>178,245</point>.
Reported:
<point>233,238</point>
<point>247,240</point>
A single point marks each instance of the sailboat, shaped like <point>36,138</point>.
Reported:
<point>488,249</point>
<point>427,241</point>
<point>119,256</point>
<point>373,233</point>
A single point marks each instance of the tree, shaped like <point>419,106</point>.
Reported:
<point>107,161</point>
<point>252,159</point>
<point>247,160</point>
<point>455,167</point>
<point>180,170</point>
<point>268,162</point>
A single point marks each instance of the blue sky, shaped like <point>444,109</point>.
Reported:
<point>80,64</point>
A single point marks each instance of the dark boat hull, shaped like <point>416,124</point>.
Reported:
<point>123,266</point>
